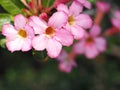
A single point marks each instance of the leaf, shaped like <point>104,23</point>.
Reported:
<point>2,43</point>
<point>10,7</point>
<point>47,3</point>
<point>4,18</point>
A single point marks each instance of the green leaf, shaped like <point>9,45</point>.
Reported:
<point>4,18</point>
<point>10,7</point>
<point>2,43</point>
<point>92,1</point>
<point>47,3</point>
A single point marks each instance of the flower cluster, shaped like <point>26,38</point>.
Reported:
<point>61,24</point>
<point>60,29</point>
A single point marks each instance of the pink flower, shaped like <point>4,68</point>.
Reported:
<point>65,62</point>
<point>92,44</point>
<point>103,6</point>
<point>77,22</point>
<point>84,3</point>
<point>50,35</point>
<point>19,37</point>
<point>116,19</point>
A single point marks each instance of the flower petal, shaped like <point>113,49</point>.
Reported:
<point>64,37</point>
<point>14,45</point>
<point>63,55</point>
<point>20,21</point>
<point>75,8</point>
<point>65,67</point>
<point>78,32</point>
<point>100,44</point>
<point>87,5</point>
<point>30,31</point>
<point>63,8</point>
<point>95,30</point>
<point>117,14</point>
<point>81,1</point>
<point>8,30</point>
<point>58,19</point>
<point>116,22</point>
<point>38,24</point>
<point>84,21</point>
<point>91,51</point>
<point>79,48</point>
<point>39,42</point>
<point>53,48</point>
<point>27,45</point>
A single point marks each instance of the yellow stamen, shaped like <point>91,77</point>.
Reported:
<point>22,33</point>
<point>71,20</point>
<point>50,31</point>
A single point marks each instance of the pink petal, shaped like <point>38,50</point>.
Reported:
<point>53,48</point>
<point>39,42</point>
<point>27,45</point>
<point>64,37</point>
<point>63,55</point>
<point>38,24</point>
<point>117,14</point>
<point>78,32</point>
<point>116,23</point>
<point>79,48</point>
<point>8,30</point>
<point>58,19</point>
<point>14,45</point>
<point>91,51</point>
<point>95,30</point>
<point>65,67</point>
<point>100,44</point>
<point>81,1</point>
<point>87,5</point>
<point>30,31</point>
<point>75,8</point>
<point>103,6</point>
<point>63,8</point>
<point>84,21</point>
<point>20,21</point>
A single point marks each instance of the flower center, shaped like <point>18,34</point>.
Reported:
<point>71,20</point>
<point>89,40</point>
<point>50,32</point>
<point>22,33</point>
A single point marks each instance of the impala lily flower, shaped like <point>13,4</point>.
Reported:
<point>77,22</point>
<point>65,62</point>
<point>19,37</point>
<point>92,44</point>
<point>51,36</point>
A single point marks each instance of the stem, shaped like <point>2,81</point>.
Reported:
<point>98,18</point>
<point>49,9</point>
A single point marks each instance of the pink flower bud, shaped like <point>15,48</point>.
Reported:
<point>44,16</point>
<point>103,6</point>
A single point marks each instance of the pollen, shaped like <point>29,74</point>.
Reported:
<point>50,31</point>
<point>71,20</point>
<point>22,33</point>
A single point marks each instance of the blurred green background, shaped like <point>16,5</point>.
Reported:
<point>23,71</point>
